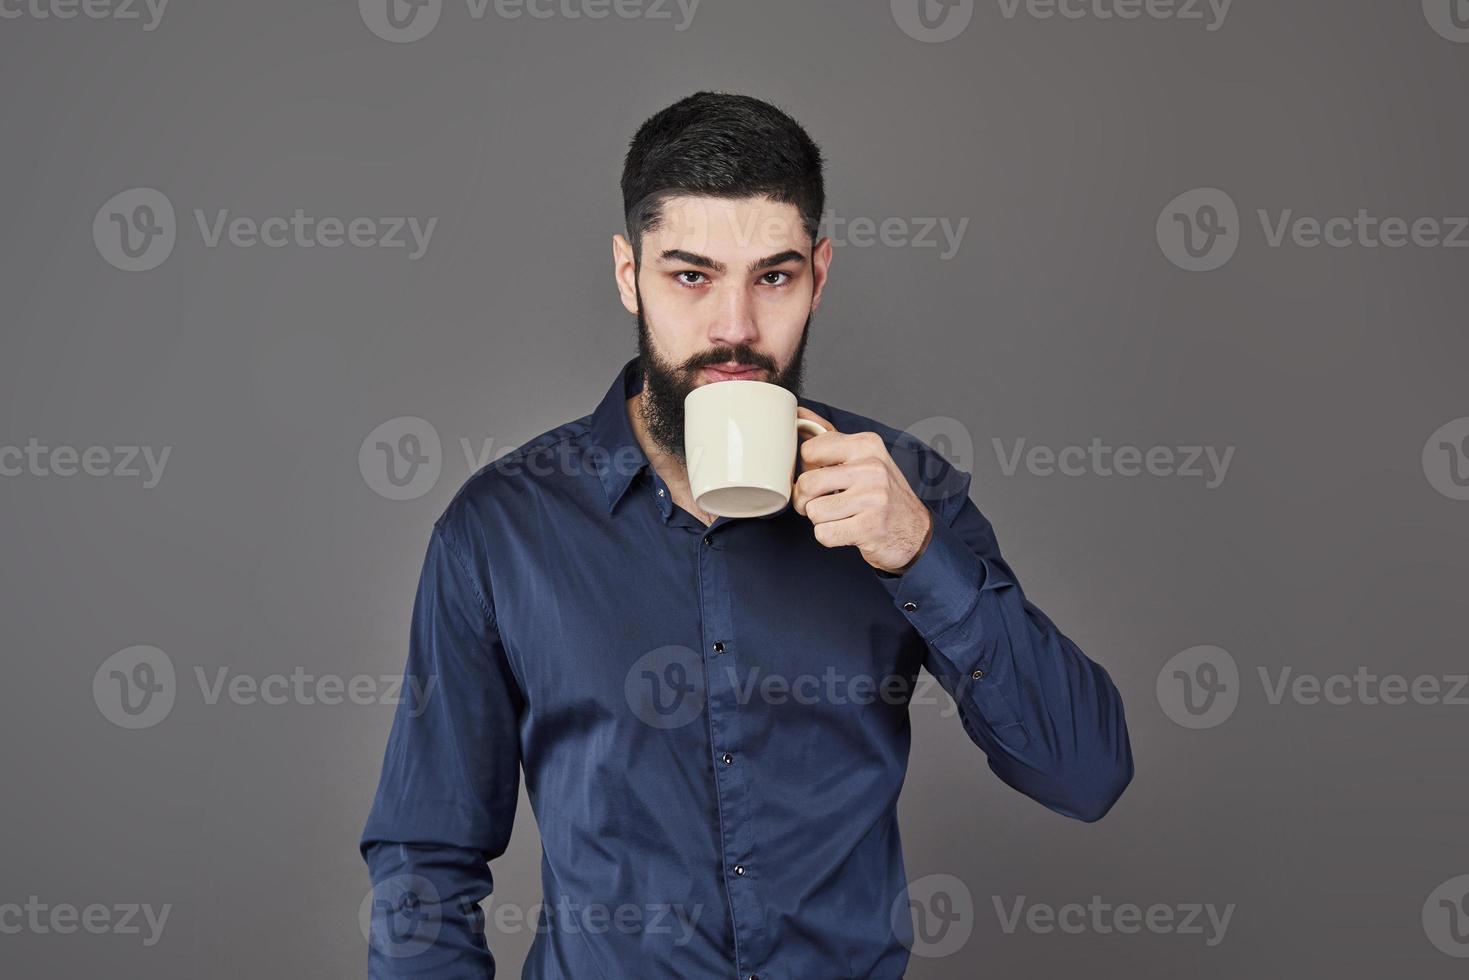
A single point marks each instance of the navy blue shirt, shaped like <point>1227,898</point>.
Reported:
<point>712,720</point>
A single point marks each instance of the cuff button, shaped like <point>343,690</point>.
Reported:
<point>910,607</point>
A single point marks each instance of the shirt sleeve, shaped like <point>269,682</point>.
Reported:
<point>450,779</point>
<point>1049,719</point>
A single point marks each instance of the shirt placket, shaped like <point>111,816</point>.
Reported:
<point>722,659</point>
<point>721,654</point>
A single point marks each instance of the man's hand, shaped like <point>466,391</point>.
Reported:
<point>854,494</point>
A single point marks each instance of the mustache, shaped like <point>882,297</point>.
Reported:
<point>729,356</point>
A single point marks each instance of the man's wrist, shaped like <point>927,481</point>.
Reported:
<point>922,547</point>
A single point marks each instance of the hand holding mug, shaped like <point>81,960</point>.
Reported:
<point>854,494</point>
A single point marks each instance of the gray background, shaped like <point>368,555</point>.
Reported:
<point>265,549</point>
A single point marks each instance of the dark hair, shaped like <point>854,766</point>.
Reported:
<point>717,144</point>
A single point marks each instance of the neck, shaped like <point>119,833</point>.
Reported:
<point>668,466</point>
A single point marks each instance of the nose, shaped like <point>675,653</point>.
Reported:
<point>734,322</point>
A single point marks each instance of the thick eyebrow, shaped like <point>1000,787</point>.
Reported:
<point>703,261</point>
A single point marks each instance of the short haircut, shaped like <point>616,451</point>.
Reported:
<point>717,144</point>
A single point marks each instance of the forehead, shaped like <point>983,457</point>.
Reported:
<point>728,226</point>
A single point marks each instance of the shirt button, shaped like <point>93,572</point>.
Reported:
<point>910,607</point>
<point>739,870</point>
<point>660,491</point>
<point>977,675</point>
<point>726,758</point>
<point>718,646</point>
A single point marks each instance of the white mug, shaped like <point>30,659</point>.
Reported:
<point>740,446</point>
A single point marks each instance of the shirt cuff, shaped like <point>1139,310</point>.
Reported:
<point>942,587</point>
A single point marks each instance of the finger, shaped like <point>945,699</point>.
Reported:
<point>835,534</point>
<point>832,448</point>
<point>812,483</point>
<point>824,480</point>
<point>836,506</point>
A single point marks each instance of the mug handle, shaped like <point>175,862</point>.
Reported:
<point>810,427</point>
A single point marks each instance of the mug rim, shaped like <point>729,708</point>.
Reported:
<point>740,381</point>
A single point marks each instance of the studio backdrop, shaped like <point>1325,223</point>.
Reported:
<point>1182,284</point>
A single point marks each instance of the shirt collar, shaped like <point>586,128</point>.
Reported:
<point>619,457</point>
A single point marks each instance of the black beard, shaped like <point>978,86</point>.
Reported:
<point>666,385</point>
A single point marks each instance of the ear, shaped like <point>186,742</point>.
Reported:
<point>820,266</point>
<point>625,273</point>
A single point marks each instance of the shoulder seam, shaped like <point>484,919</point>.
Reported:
<point>573,428</point>
<point>468,577</point>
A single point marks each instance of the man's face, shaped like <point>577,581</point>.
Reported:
<point>724,291</point>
